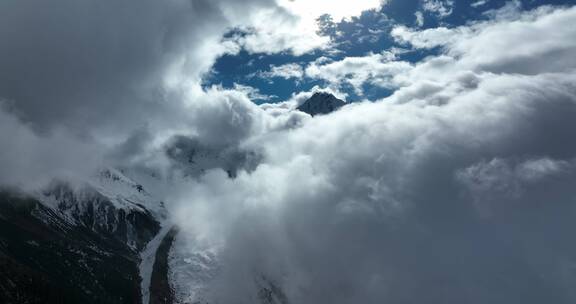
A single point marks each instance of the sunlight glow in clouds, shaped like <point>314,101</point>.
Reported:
<point>294,27</point>
<point>337,9</point>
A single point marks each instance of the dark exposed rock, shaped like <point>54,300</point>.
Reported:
<point>270,293</point>
<point>194,158</point>
<point>321,103</point>
<point>44,258</point>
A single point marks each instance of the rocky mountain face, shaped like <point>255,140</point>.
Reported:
<point>100,241</point>
<point>194,158</point>
<point>321,103</point>
<point>89,208</point>
<point>76,244</point>
<point>108,240</point>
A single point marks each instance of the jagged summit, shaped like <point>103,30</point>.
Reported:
<point>321,103</point>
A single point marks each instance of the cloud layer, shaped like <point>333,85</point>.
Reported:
<point>458,188</point>
<point>126,77</point>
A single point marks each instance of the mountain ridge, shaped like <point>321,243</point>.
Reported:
<point>321,103</point>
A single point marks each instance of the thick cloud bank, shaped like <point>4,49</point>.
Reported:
<point>458,188</point>
<point>122,76</point>
<point>126,76</point>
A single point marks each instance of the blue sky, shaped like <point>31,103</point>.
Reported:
<point>357,37</point>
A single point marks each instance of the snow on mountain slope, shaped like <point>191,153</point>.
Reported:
<point>148,258</point>
<point>46,257</point>
<point>115,205</point>
<point>128,193</point>
<point>121,205</point>
<point>109,203</point>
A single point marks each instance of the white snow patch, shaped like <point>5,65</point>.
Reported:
<point>147,259</point>
<point>126,193</point>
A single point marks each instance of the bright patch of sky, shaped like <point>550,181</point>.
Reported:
<point>344,9</point>
<point>357,38</point>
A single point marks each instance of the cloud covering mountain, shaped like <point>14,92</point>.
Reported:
<point>457,188</point>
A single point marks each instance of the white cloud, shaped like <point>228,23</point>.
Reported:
<point>145,77</point>
<point>337,9</point>
<point>479,3</point>
<point>274,31</point>
<point>429,38</point>
<point>292,26</point>
<point>376,69</point>
<point>419,18</point>
<point>352,185</point>
<point>365,204</point>
<point>505,181</point>
<point>252,93</point>
<point>441,8</point>
<point>286,71</point>
<point>377,202</point>
<point>509,11</point>
<point>30,160</point>
<point>545,35</point>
